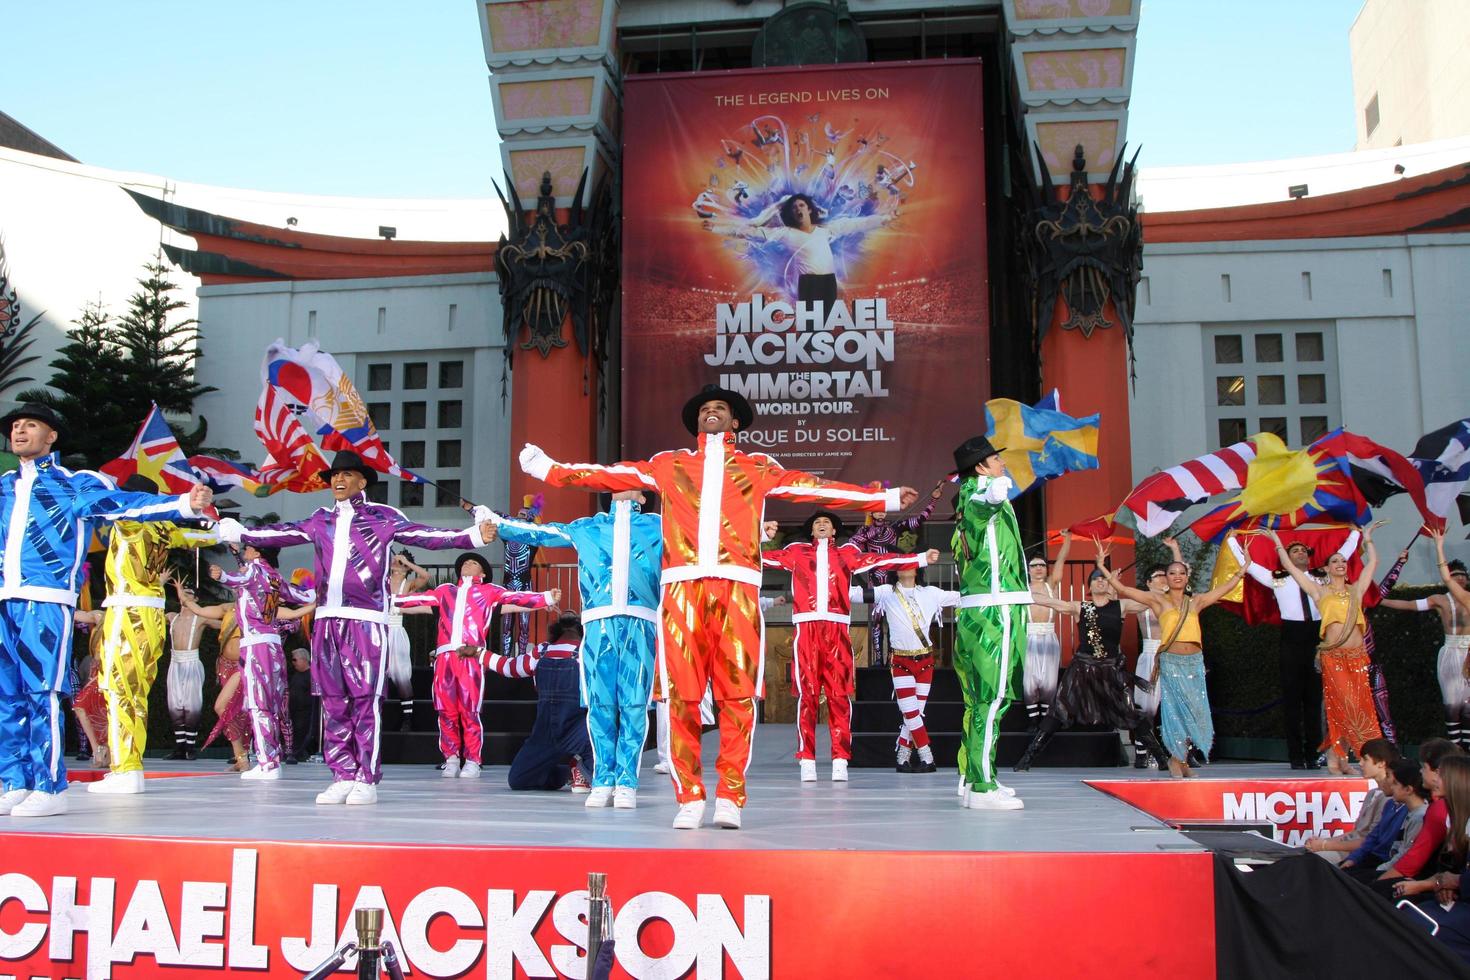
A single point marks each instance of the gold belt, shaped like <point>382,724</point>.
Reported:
<point>911,653</point>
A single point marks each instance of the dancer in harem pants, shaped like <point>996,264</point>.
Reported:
<point>822,661</point>
<point>990,624</point>
<point>49,512</point>
<point>618,558</point>
<point>713,498</point>
<point>349,640</point>
<point>465,606</point>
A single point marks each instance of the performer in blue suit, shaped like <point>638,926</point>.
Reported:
<point>619,555</point>
<point>48,513</point>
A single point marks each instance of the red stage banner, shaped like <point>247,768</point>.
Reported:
<point>127,907</point>
<point>1297,808</point>
<point>862,340</point>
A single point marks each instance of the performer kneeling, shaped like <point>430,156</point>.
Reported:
<point>1096,688</point>
<point>560,731</point>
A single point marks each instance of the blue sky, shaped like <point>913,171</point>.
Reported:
<point>390,99</point>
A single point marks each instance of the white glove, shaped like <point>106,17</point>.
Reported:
<point>535,462</point>
<point>229,530</point>
<point>483,513</point>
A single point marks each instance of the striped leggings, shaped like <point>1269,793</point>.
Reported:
<point>913,674</point>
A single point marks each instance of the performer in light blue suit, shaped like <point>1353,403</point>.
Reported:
<point>619,555</point>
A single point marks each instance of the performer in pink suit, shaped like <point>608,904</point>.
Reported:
<point>464,608</point>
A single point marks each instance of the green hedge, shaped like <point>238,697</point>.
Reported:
<point>1241,661</point>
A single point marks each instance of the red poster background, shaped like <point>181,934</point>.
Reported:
<point>829,913</point>
<point>918,244</point>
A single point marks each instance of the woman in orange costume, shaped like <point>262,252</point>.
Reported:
<point>713,499</point>
<point>1351,720</point>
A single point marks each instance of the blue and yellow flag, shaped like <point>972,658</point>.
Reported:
<point>1038,441</point>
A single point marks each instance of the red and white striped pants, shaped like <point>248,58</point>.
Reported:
<point>913,674</point>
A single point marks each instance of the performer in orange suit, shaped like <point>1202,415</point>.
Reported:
<point>713,498</point>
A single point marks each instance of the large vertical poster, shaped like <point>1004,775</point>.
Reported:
<point>815,239</point>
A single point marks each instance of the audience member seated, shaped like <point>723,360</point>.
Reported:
<point>1438,896</point>
<point>1405,788</point>
<point>1377,755</point>
<point>1422,858</point>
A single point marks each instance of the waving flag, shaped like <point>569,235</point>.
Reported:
<point>1039,442</point>
<point>312,385</point>
<point>1443,460</point>
<point>155,453</point>
<point>1158,501</point>
<point>1288,488</point>
<point>223,476</point>
<point>292,461</point>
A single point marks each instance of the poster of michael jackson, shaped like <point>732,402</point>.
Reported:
<point>814,239</point>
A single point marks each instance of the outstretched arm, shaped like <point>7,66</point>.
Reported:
<point>186,599</point>
<point>1243,557</point>
<point>1410,605</point>
<point>266,536</point>
<point>860,563</point>
<point>1370,565</point>
<point>98,499</point>
<point>921,518</point>
<point>803,488</point>
<point>1457,594</point>
<point>526,532</point>
<point>1070,607</point>
<point>636,475</point>
<point>1137,595</point>
<point>437,538</point>
<point>1054,578</point>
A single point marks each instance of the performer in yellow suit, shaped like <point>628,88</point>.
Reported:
<point>133,628</point>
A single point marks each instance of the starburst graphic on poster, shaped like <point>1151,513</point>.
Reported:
<point>850,182</point>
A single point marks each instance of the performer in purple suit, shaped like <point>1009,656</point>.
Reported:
<point>259,589</point>
<point>352,539</point>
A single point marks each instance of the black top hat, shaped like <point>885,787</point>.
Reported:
<point>470,556</point>
<point>971,452</point>
<point>806,529</point>
<point>138,483</point>
<point>744,414</point>
<point>349,460</point>
<point>39,412</point>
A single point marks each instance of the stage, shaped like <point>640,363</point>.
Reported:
<point>885,875</point>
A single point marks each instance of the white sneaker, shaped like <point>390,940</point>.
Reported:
<point>11,799</point>
<point>992,800</point>
<point>362,794</point>
<point>336,793</point>
<point>41,804</point>
<point>451,768</point>
<point>808,770</point>
<point>471,770</point>
<point>1003,789</point>
<point>119,784</point>
<point>727,814</point>
<point>690,815</point>
<point>260,772</point>
<point>961,791</point>
<point>601,796</point>
<point>625,798</point>
<point>839,770</point>
<point>661,769</point>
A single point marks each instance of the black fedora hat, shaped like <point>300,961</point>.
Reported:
<point>806,529</point>
<point>972,451</point>
<point>39,412</point>
<point>138,483</point>
<point>349,460</point>
<point>741,409</point>
<point>469,556</point>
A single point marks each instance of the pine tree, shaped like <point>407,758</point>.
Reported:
<point>84,389</point>
<point>159,355</point>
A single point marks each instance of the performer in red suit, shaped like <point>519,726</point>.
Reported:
<point>821,575</point>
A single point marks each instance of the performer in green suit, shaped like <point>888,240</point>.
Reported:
<point>990,624</point>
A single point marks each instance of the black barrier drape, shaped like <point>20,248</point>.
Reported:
<point>1301,917</point>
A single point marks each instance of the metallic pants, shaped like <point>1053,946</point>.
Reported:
<point>132,643</point>
<point>711,632</point>
<point>264,682</point>
<point>990,644</point>
<point>617,683</point>
<point>348,660</point>
<point>35,645</point>
<point>822,664</point>
<point>459,690</point>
